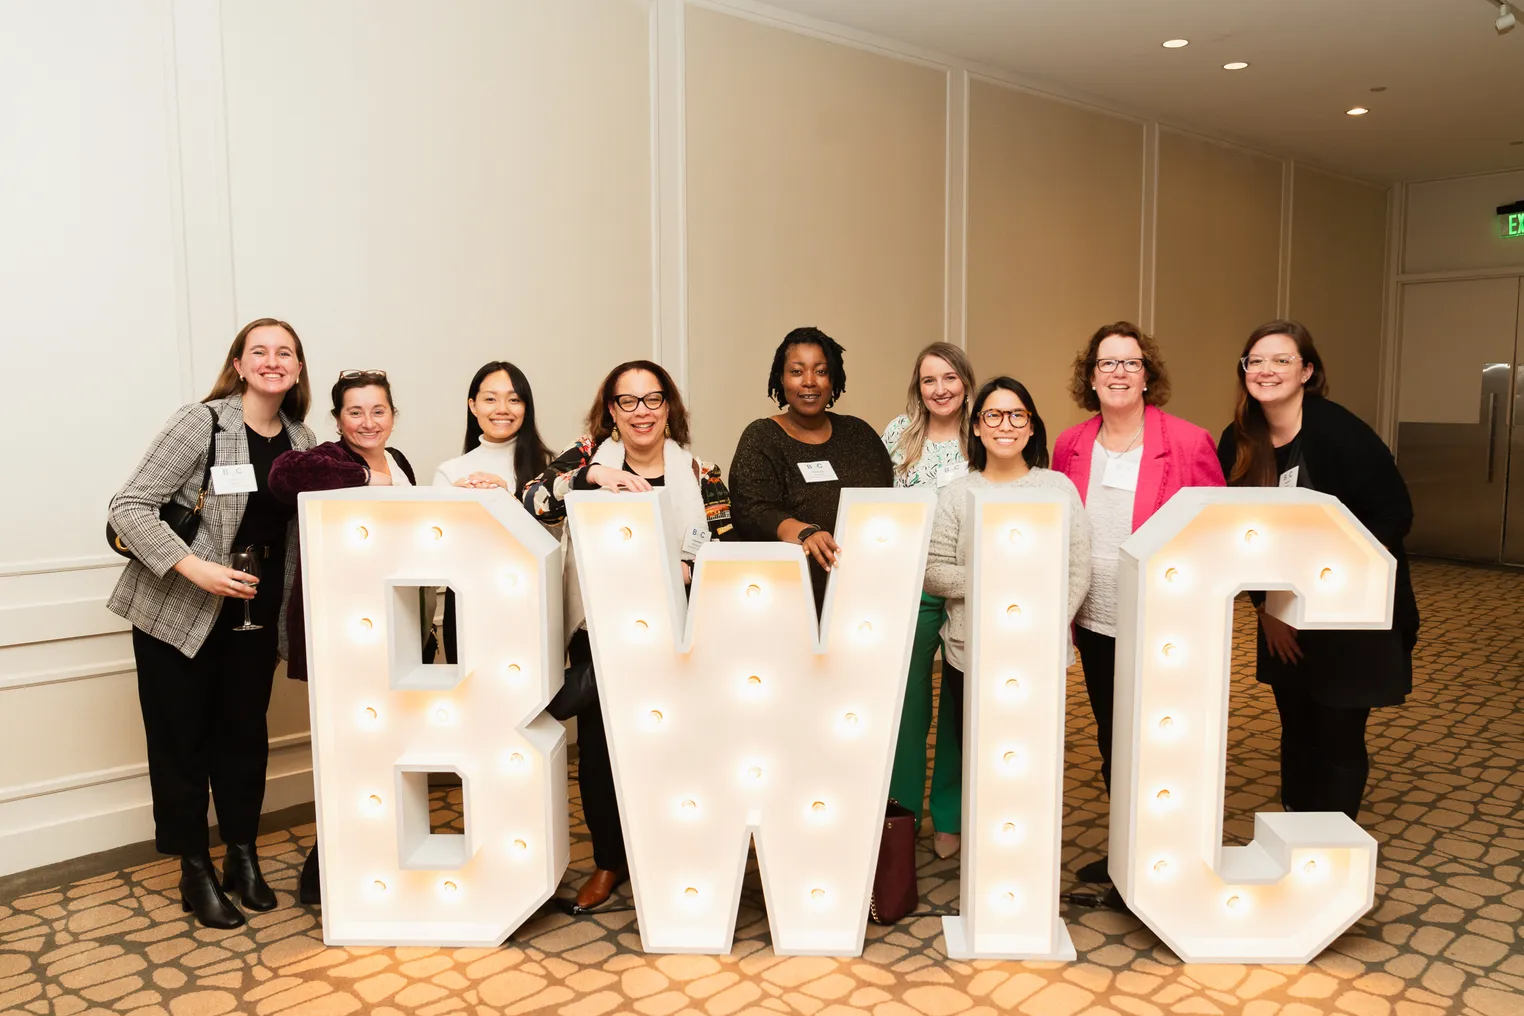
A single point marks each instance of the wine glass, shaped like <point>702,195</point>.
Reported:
<point>247,561</point>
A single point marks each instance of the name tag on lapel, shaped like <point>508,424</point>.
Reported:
<point>237,479</point>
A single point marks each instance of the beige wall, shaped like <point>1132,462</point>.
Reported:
<point>1055,219</point>
<point>1217,267</point>
<point>816,190</point>
<point>1338,275</point>
<point>1453,224</point>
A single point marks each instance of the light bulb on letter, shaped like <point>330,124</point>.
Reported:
<point>1250,536</point>
<point>817,894</point>
<point>641,626</point>
<point>818,806</point>
<point>755,772</point>
<point>865,628</point>
<point>437,533</point>
<point>520,845</point>
<point>656,716</point>
<point>625,532</point>
<point>753,591</point>
<point>1171,574</point>
<point>362,532</point>
<point>690,891</point>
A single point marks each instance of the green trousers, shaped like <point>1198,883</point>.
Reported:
<point>907,783</point>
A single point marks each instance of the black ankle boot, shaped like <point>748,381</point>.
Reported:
<point>240,874</point>
<point>310,892</point>
<point>200,894</point>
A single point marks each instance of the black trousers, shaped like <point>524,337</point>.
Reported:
<point>1324,764</point>
<point>1098,658</point>
<point>205,721</point>
<point>595,774</point>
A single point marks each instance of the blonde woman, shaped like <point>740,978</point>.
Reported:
<point>928,445</point>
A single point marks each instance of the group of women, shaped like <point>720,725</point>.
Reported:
<point>205,681</point>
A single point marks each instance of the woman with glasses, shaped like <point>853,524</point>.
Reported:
<point>503,449</point>
<point>789,470</point>
<point>204,678</point>
<point>928,444</point>
<point>637,440</point>
<point>1126,461</point>
<point>1287,432</point>
<point>1010,452</point>
<point>364,413</point>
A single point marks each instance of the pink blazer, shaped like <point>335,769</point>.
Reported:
<point>1176,453</point>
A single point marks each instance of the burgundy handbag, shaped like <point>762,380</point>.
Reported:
<point>894,889</point>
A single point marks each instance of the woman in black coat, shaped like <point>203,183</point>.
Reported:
<point>1287,433</point>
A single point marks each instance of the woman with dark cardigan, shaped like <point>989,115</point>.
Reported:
<point>789,470</point>
<point>362,405</point>
<point>1286,432</point>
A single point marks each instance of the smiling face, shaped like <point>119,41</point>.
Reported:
<point>641,428</point>
<point>497,407</point>
<point>1003,441</point>
<point>1270,382</point>
<point>806,379</point>
<point>1120,390</point>
<point>941,388</point>
<point>269,364</point>
<point>366,419</point>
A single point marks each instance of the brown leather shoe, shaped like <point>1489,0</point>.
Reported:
<point>596,890</point>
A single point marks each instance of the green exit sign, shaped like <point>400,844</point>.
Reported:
<point>1512,219</point>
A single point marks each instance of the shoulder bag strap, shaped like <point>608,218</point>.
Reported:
<point>211,456</point>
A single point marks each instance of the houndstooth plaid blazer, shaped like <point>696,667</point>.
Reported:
<point>150,593</point>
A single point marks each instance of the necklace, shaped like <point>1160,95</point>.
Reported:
<point>1116,455</point>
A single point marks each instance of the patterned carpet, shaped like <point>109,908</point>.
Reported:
<point>1447,780</point>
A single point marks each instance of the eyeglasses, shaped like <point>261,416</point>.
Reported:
<point>350,375</point>
<point>1109,366</point>
<point>1019,418</point>
<point>651,400</point>
<point>1280,364</point>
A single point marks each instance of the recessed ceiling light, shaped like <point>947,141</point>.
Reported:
<point>1176,43</point>
<point>1235,65</point>
<point>1357,111</point>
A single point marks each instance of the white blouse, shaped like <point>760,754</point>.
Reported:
<point>488,457</point>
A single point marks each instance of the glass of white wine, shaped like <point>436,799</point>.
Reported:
<point>246,561</point>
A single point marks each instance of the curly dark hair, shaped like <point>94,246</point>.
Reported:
<point>808,336</point>
<point>600,418</point>
<point>1154,372</point>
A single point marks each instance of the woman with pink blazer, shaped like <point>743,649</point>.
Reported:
<point>1125,461</point>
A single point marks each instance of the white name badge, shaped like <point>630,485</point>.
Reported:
<point>951,473</point>
<point>1288,478</point>
<point>237,479</point>
<point>695,539</point>
<point>1121,473</point>
<point>817,472</point>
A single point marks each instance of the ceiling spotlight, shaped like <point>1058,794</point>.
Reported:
<point>1235,65</point>
<point>1177,43</point>
<point>1506,19</point>
<point>1357,111</point>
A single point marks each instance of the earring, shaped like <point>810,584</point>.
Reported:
<point>240,379</point>
<point>614,434</point>
<point>666,430</point>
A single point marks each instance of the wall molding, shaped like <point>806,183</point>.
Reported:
<point>48,566</point>
<point>58,620</point>
<point>62,675</point>
<point>669,186</point>
<point>1460,274</point>
<point>955,232</point>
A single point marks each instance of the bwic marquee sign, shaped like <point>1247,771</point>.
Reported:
<point>735,717</point>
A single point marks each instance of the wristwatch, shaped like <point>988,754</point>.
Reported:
<point>807,532</point>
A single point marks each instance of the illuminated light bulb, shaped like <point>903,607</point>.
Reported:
<point>379,886</point>
<point>690,891</point>
<point>690,804</point>
<point>1009,828</point>
<point>851,718</point>
<point>1310,867</point>
<point>374,800</point>
<point>754,679</point>
<point>513,670</point>
<point>1162,795</point>
<point>1165,722</point>
<point>817,894</point>
<point>1250,536</point>
<point>865,627</point>
<point>1012,685</point>
<point>642,625</point>
<point>370,713</point>
<point>362,532</point>
<point>1168,649</point>
<point>515,759</point>
<point>1234,902</point>
<point>818,806</point>
<point>656,716</point>
<point>437,532</point>
<point>449,886</point>
<point>755,772</point>
<point>753,591</point>
<point>1008,897</point>
<point>625,532</point>
<point>1009,758</point>
<point>1160,867</point>
<point>511,580</point>
<point>520,845</point>
<point>1325,574</point>
<point>441,715</point>
<point>367,623</point>
<point>1014,610</point>
<point>1171,574</point>
<point>1014,535</point>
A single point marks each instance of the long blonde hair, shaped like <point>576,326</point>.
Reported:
<point>297,401</point>
<point>912,440</point>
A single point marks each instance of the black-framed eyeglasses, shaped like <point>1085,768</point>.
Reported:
<point>1280,364</point>
<point>1109,365</point>
<point>1019,418</point>
<point>350,375</point>
<point>651,400</point>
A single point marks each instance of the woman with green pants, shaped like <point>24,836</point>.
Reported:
<point>928,444</point>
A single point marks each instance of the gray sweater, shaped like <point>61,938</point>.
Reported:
<point>951,543</point>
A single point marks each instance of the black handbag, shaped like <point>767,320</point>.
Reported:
<point>579,691</point>
<point>183,519</point>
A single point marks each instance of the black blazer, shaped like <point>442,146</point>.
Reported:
<point>1343,457</point>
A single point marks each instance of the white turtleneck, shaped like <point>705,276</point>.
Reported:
<point>488,457</point>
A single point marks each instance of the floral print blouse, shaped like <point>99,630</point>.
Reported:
<point>941,462</point>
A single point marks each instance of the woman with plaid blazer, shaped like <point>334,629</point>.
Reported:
<point>204,687</point>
